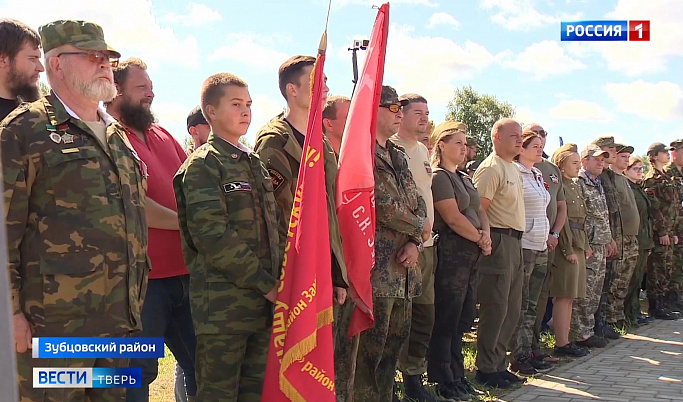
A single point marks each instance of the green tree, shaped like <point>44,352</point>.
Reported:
<point>479,112</point>
<point>44,88</point>
<point>646,163</point>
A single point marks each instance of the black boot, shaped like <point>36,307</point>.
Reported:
<point>414,389</point>
<point>674,302</point>
<point>659,311</point>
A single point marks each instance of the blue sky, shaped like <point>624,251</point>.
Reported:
<point>508,48</point>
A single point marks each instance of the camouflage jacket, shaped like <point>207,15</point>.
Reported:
<point>228,226</point>
<point>76,229</point>
<point>677,175</point>
<point>663,194</point>
<point>281,153</point>
<point>400,214</point>
<point>613,206</point>
<point>597,215</point>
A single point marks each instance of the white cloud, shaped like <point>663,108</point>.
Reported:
<point>412,63</point>
<point>580,110</point>
<point>442,18</point>
<point>251,48</point>
<point>657,101</point>
<point>198,15</point>
<point>520,15</point>
<point>543,59</point>
<point>173,117</point>
<point>129,27</point>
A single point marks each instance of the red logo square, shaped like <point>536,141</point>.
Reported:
<point>639,30</point>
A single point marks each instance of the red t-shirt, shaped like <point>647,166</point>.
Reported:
<point>163,156</point>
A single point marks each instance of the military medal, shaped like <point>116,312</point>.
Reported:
<point>233,156</point>
<point>67,138</point>
<point>56,138</point>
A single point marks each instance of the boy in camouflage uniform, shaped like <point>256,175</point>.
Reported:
<point>74,201</point>
<point>599,236</point>
<point>231,245</point>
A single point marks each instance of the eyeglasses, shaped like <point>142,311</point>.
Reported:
<point>638,169</point>
<point>96,57</point>
<point>393,108</point>
<point>541,132</point>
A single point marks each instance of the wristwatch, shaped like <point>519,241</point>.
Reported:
<point>418,243</point>
<point>555,235</point>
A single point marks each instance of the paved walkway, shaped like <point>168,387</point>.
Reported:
<point>644,366</point>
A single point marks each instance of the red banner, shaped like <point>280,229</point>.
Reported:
<point>356,181</point>
<point>301,355</point>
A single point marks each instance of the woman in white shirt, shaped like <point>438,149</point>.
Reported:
<point>534,251</point>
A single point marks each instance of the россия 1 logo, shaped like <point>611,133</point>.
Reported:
<point>606,30</point>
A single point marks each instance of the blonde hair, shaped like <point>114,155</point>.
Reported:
<point>437,153</point>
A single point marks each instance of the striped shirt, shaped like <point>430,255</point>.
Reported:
<point>536,200</point>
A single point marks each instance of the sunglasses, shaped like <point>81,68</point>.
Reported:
<point>393,108</point>
<point>542,133</point>
<point>95,57</point>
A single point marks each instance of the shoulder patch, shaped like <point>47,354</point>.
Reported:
<point>276,178</point>
<point>428,167</point>
<point>236,186</point>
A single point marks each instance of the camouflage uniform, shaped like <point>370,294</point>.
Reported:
<point>630,220</point>
<point>663,194</point>
<point>599,235</point>
<point>613,264</point>
<point>676,173</point>
<point>76,234</point>
<point>228,224</point>
<point>645,244</point>
<point>400,215</point>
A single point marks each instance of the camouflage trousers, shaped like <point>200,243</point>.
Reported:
<point>455,304</point>
<point>345,351</point>
<point>413,357</point>
<point>677,276</point>
<point>25,365</point>
<point>541,307</point>
<point>535,271</point>
<point>584,308</point>
<point>378,349</point>
<point>660,270</point>
<point>231,367</point>
<point>618,288</point>
<point>632,307</point>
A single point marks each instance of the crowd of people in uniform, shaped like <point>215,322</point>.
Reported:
<point>113,229</point>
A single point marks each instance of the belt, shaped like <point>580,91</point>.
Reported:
<point>577,225</point>
<point>509,232</point>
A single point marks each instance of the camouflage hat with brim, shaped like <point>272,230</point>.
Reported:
<point>81,34</point>
<point>593,150</point>
<point>658,147</point>
<point>444,128</point>
<point>390,97</point>
<point>605,141</point>
<point>621,148</point>
<point>676,144</point>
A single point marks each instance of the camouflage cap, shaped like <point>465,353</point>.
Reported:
<point>446,126</point>
<point>82,34</point>
<point>621,148</point>
<point>593,150</point>
<point>657,147</point>
<point>195,117</point>
<point>676,144</point>
<point>390,97</point>
<point>605,141</point>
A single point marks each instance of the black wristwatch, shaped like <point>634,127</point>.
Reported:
<point>418,243</point>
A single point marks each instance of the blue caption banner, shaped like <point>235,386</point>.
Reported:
<point>121,348</point>
<point>90,377</point>
<point>615,30</point>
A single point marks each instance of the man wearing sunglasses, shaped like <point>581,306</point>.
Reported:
<point>74,198</point>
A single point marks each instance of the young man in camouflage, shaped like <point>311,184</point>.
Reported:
<point>675,170</point>
<point>20,65</point>
<point>228,224</point>
<point>74,199</point>
<point>666,222</point>
<point>401,216</point>
<point>582,330</point>
<point>613,251</point>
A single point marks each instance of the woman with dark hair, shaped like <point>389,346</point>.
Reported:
<point>534,252</point>
<point>568,269</point>
<point>463,235</point>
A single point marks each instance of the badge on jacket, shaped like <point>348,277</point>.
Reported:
<point>236,186</point>
<point>276,178</point>
<point>554,178</point>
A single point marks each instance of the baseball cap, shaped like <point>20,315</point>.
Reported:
<point>605,141</point>
<point>657,147</point>
<point>447,125</point>
<point>621,148</point>
<point>593,150</point>
<point>676,144</point>
<point>82,34</point>
<point>195,117</point>
<point>390,97</point>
